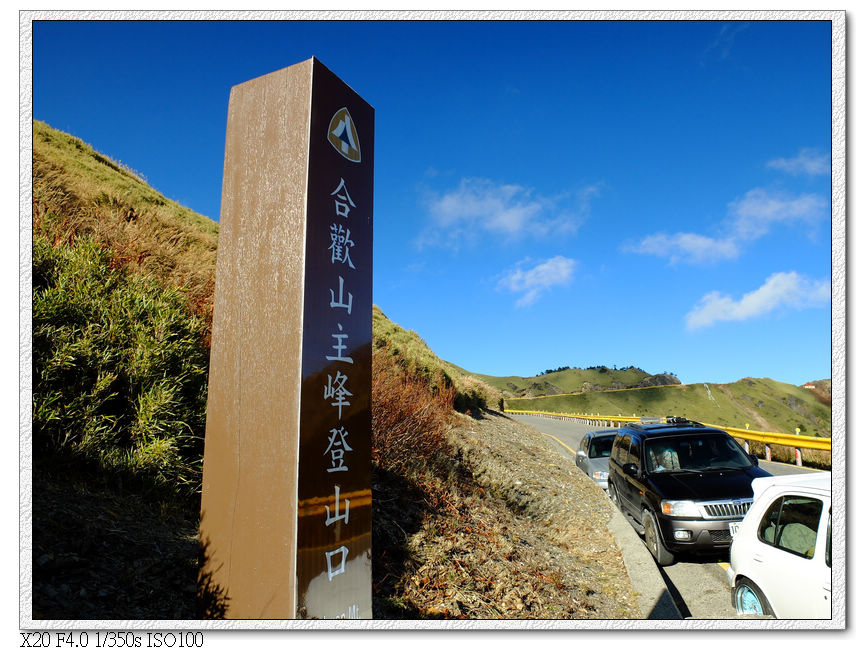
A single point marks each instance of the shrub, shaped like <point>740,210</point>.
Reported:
<point>474,394</point>
<point>410,414</point>
<point>119,367</point>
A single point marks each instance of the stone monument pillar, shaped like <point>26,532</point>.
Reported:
<point>286,497</point>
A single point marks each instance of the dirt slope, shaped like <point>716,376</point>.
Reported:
<point>517,533</point>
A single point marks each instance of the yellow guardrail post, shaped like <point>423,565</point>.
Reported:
<point>798,452</point>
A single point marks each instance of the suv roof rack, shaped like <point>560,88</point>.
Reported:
<point>674,419</point>
<point>651,424</point>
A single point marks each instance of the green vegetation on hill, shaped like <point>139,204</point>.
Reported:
<point>78,191</point>
<point>120,370</point>
<point>764,404</point>
<point>574,380</point>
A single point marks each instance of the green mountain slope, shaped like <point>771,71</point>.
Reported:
<point>122,291</point>
<point>575,380</point>
<point>763,404</point>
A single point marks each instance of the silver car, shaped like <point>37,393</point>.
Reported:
<point>593,455</point>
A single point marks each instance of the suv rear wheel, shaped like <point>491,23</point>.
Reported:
<point>654,542</point>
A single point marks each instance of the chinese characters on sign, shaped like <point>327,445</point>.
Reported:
<point>335,388</point>
<point>334,499</point>
<point>337,446</point>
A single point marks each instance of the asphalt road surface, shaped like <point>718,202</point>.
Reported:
<point>697,584</point>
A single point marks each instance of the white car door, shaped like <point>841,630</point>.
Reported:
<point>795,575</point>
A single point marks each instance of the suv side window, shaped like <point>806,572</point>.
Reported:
<point>622,445</point>
<point>790,524</point>
<point>634,453</point>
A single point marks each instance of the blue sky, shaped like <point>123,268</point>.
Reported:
<point>547,193</point>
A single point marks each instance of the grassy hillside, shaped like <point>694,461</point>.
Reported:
<point>417,358</point>
<point>77,192</point>
<point>764,404</point>
<point>122,292</point>
<point>573,380</point>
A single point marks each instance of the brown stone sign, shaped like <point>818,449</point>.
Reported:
<point>286,498</point>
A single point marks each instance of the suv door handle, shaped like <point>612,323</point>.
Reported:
<point>758,558</point>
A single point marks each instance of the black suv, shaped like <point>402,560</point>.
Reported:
<point>685,486</point>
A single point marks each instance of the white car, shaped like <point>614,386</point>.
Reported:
<point>781,556</point>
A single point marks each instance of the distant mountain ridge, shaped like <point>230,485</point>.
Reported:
<point>564,381</point>
<point>760,404</point>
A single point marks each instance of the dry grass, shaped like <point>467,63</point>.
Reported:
<point>470,394</point>
<point>810,457</point>
<point>482,536</point>
<point>86,193</point>
<point>410,414</point>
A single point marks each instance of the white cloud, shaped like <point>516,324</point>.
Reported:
<point>754,214</point>
<point>531,282</point>
<point>749,218</point>
<point>480,208</point>
<point>687,247</point>
<point>809,161</point>
<point>780,290</point>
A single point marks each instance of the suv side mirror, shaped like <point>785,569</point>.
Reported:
<point>580,452</point>
<point>754,460</point>
<point>630,469</point>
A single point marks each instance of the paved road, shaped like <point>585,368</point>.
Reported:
<point>697,584</point>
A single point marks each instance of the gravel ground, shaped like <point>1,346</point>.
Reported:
<point>514,532</point>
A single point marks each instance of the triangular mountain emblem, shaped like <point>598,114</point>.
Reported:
<point>343,135</point>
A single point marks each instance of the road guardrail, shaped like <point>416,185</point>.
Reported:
<point>767,438</point>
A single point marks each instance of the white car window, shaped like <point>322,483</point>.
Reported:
<point>790,524</point>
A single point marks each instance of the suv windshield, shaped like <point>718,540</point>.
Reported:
<point>601,446</point>
<point>698,452</point>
